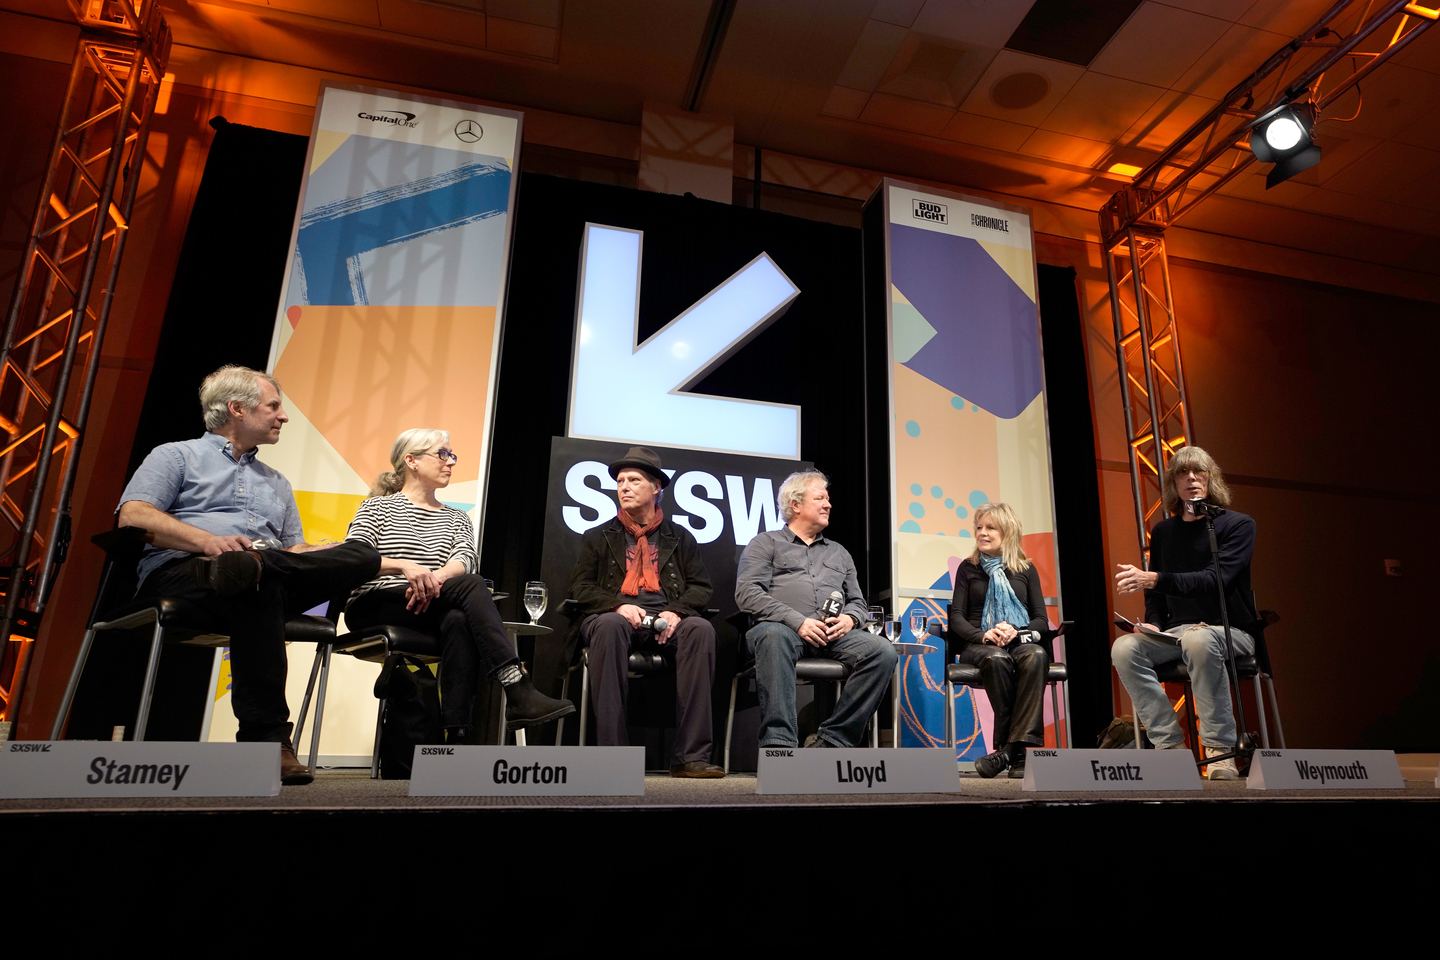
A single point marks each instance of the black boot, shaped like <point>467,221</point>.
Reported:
<point>527,707</point>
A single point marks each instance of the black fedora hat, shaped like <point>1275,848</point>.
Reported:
<point>643,459</point>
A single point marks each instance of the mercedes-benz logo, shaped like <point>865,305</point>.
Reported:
<point>469,131</point>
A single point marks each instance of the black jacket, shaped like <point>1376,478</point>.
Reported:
<point>967,607</point>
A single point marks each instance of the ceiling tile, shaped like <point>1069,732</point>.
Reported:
<point>1251,186</point>
<point>525,39</point>
<point>1068,149</point>
<point>983,24</point>
<point>1167,119</point>
<point>1422,53</point>
<point>1100,107</point>
<point>1423,133</point>
<point>542,13</point>
<point>1385,172</point>
<point>1224,9</point>
<point>1060,77</point>
<point>987,132</point>
<point>1378,212</point>
<point>872,53</point>
<point>902,114</point>
<point>1390,101</point>
<point>942,72</point>
<point>899,12</point>
<point>1287,17</point>
<point>434,23</point>
<point>844,102</point>
<point>1237,54</point>
<point>348,11</point>
<point>1158,44</point>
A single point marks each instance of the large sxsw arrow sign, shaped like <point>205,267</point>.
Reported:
<point>638,392</point>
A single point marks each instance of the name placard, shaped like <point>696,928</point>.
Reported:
<point>1325,770</point>
<point>463,771</point>
<point>1109,770</point>
<point>149,768</point>
<point>856,770</point>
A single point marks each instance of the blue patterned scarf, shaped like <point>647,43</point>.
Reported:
<point>1001,604</point>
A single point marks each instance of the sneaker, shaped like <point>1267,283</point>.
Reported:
<point>992,764</point>
<point>815,740</point>
<point>1223,769</point>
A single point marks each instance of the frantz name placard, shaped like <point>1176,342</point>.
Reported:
<point>1110,770</point>
<point>103,768</point>
<point>528,772</point>
<point>1325,770</point>
<point>858,770</point>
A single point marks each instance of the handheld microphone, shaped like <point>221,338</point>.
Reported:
<point>831,606</point>
<point>1027,636</point>
<point>654,622</point>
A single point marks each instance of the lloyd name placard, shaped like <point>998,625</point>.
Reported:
<point>463,771</point>
<point>155,768</point>
<point>1110,770</point>
<point>858,770</point>
<point>1325,770</point>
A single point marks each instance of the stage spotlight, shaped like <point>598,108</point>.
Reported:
<point>1283,137</point>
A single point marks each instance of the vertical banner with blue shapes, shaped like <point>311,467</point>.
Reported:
<point>968,422</point>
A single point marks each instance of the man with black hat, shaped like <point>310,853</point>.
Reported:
<point>640,579</point>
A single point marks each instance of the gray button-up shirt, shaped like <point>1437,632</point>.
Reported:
<point>784,580</point>
<point>200,482</point>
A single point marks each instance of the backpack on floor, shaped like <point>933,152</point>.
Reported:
<point>1121,733</point>
<point>412,713</point>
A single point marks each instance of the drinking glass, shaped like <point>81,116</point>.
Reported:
<point>918,623</point>
<point>893,630</point>
<point>536,597</point>
<point>875,620</point>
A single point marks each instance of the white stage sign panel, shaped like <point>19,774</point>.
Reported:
<point>857,770</point>
<point>1110,770</point>
<point>528,772</point>
<point>1325,770</point>
<point>150,768</point>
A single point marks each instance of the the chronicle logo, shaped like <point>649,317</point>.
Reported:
<point>399,118</point>
<point>990,223</point>
<point>931,211</point>
<point>468,131</point>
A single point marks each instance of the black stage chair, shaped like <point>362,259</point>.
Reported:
<point>170,620</point>
<point>968,675</point>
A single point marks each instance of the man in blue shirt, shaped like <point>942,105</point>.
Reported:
<point>206,504</point>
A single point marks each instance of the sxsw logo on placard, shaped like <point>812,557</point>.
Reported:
<point>931,211</point>
<point>400,118</point>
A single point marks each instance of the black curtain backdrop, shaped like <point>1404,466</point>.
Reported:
<point>221,310</point>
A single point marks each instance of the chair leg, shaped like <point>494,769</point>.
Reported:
<point>520,738</point>
<point>305,700</point>
<point>1260,709</point>
<point>1195,750</point>
<point>1275,708</point>
<point>63,716</point>
<point>875,731</point>
<point>564,695</point>
<point>584,699</point>
<point>950,715</point>
<point>375,754</point>
<point>319,704</point>
<point>1055,712</point>
<point>151,669</point>
<point>504,727</point>
<point>730,720</point>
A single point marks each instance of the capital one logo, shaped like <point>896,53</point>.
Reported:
<point>633,392</point>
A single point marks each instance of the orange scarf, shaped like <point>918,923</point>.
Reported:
<point>641,570</point>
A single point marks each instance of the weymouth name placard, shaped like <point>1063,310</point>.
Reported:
<point>857,770</point>
<point>1325,770</point>
<point>463,771</point>
<point>154,768</point>
<point>1110,770</point>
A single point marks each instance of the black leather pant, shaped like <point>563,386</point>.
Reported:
<point>1015,682</point>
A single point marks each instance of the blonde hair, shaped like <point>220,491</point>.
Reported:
<point>1185,460</point>
<point>417,440</point>
<point>230,382</point>
<point>1010,531</point>
<point>792,491</point>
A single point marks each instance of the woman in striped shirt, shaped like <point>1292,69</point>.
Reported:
<point>429,582</point>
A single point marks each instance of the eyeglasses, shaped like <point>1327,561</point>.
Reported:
<point>442,455</point>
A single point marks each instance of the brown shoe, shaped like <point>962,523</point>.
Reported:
<point>697,770</point>
<point>293,773</point>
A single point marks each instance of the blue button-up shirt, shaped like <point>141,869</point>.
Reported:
<point>200,482</point>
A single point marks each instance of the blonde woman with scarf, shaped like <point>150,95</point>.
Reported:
<point>997,595</point>
<point>633,572</point>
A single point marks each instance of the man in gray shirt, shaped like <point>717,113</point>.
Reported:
<point>205,504</point>
<point>785,577</point>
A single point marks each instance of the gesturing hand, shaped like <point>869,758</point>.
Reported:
<point>1129,579</point>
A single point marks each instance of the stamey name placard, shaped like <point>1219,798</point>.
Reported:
<point>1325,770</point>
<point>150,768</point>
<point>856,770</point>
<point>463,771</point>
<point>1110,770</point>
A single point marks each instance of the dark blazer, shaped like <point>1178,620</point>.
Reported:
<point>968,604</point>
<point>600,570</point>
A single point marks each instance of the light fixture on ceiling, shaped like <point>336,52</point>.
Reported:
<point>1285,137</point>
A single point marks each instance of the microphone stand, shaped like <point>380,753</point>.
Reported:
<point>1240,748</point>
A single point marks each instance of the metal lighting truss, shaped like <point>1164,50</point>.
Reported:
<point>1203,159</point>
<point>56,322</point>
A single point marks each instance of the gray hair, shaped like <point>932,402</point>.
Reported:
<point>230,382</point>
<point>792,491</point>
<point>1193,458</point>
<point>417,440</point>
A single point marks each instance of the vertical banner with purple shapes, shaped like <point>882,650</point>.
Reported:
<point>968,420</point>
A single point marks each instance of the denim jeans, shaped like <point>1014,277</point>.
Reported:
<point>1202,647</point>
<point>776,649</point>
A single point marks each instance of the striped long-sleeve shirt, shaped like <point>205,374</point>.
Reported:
<point>400,530</point>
